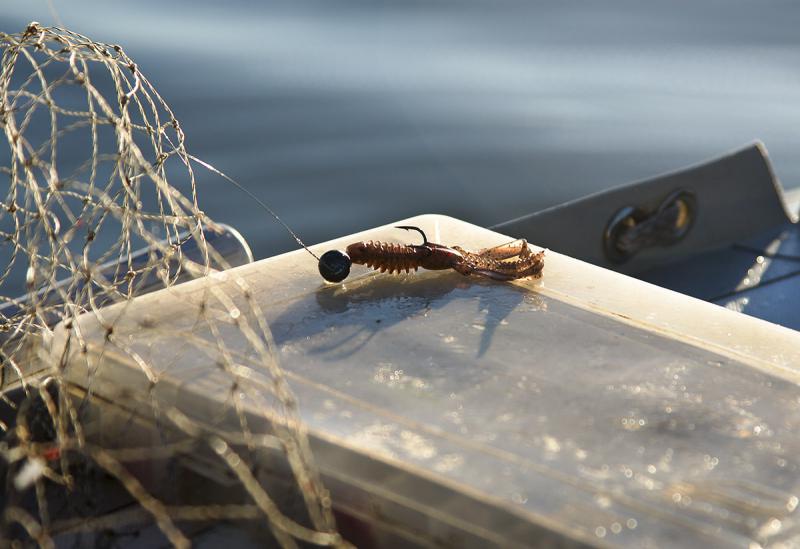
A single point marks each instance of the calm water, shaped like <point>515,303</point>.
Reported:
<point>346,117</point>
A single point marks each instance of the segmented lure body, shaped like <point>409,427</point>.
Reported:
<point>395,258</point>
<point>506,262</point>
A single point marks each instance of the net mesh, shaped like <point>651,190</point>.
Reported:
<point>96,169</point>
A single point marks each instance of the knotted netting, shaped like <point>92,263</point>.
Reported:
<point>100,207</point>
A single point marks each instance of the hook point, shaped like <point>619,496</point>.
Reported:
<point>413,228</point>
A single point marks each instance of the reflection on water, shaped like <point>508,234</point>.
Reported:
<point>355,115</point>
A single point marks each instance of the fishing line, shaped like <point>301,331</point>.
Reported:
<point>254,197</point>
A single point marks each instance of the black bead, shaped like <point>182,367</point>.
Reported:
<point>334,265</point>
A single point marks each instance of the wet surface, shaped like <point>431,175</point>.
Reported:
<point>529,388</point>
<point>561,414</point>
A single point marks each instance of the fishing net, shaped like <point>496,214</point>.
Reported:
<point>100,208</point>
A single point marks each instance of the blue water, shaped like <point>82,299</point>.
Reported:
<point>345,115</point>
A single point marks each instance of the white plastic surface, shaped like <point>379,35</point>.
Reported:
<point>587,405</point>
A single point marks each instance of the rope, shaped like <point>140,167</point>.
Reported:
<point>96,168</point>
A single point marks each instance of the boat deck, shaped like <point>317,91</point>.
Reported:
<point>759,276</point>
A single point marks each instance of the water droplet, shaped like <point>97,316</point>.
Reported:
<point>519,498</point>
<point>551,444</point>
<point>219,446</point>
<point>628,473</point>
<point>603,501</point>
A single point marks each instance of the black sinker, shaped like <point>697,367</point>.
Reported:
<point>334,266</point>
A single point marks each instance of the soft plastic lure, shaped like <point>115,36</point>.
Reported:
<point>504,262</point>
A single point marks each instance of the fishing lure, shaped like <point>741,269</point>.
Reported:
<point>506,262</point>
<point>497,263</point>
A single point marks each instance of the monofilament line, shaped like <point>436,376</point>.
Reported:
<point>254,197</point>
